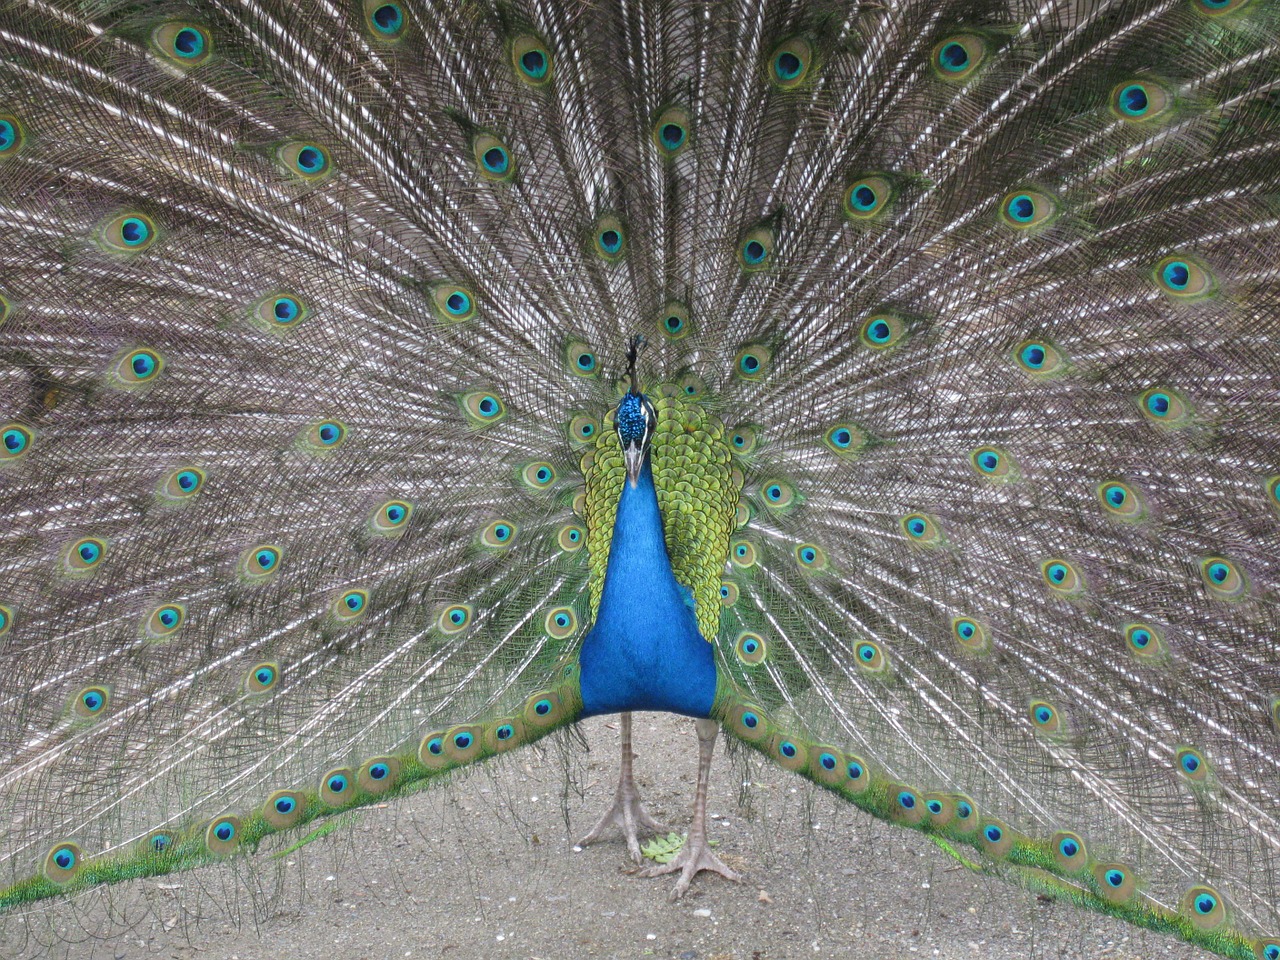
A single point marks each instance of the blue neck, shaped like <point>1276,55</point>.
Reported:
<point>644,651</point>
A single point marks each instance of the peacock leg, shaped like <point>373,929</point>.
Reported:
<point>696,855</point>
<point>627,813</point>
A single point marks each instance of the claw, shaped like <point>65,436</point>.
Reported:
<point>627,812</point>
<point>695,857</point>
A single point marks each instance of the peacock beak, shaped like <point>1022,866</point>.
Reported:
<point>633,455</point>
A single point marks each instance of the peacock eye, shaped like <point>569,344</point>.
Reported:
<point>532,60</point>
<point>185,44</point>
<point>385,20</point>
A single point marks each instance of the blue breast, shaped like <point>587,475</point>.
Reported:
<point>644,651</point>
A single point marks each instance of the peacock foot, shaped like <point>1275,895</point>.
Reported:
<point>692,859</point>
<point>629,816</point>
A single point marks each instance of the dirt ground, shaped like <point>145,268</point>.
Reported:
<point>487,869</point>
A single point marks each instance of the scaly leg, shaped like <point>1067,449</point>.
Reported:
<point>696,855</point>
<point>627,813</point>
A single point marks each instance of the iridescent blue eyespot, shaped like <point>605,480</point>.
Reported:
<point>379,771</point>
<point>863,198</point>
<point>1033,356</point>
<point>1115,877</point>
<point>93,700</point>
<point>387,19</point>
<point>1205,903</point>
<point>964,810</point>
<point>827,761</point>
<point>224,831</point>
<point>462,740</point>
<point>1177,274</point>
<point>787,749</point>
<point>15,439</point>
<point>337,784</point>
<point>285,805</point>
<point>754,252</point>
<point>506,732</point>
<point>993,833</point>
<point>953,57</point>
<point>542,707</point>
<point>1068,848</point>
<point>854,770</point>
<point>672,135</point>
<point>495,160</point>
<point>933,806</point>
<point>1133,100</point>
<point>10,135</point>
<point>906,800</point>
<point>750,720</point>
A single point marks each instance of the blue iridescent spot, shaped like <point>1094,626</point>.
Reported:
<point>1021,208</point>
<point>953,57</point>
<point>168,616</point>
<point>828,761</point>
<point>863,198</point>
<point>842,438</point>
<point>808,555</point>
<point>15,440</point>
<point>1133,100</point>
<point>134,231</point>
<point>611,241</point>
<point>89,552</point>
<point>160,842</point>
<point>534,63</point>
<point>379,771</point>
<point>436,746</point>
<point>754,252</point>
<point>916,526</point>
<point>495,160</point>
<point>866,652</point>
<point>1115,878</point>
<point>672,135</point>
<point>353,601</point>
<point>787,749</point>
<point>1033,356</point>
<point>964,810</point>
<point>462,740</point>
<point>265,676</point>
<point>788,66</point>
<point>879,332</point>
<point>224,831</point>
<point>542,707</point>
<point>750,720</point>
<point>311,160</point>
<point>65,858</point>
<point>1205,904</point>
<point>266,559</point>
<point>8,135</point>
<point>188,43</point>
<point>388,18</point>
<point>907,800</point>
<point>854,770</point>
<point>506,732</point>
<point>337,784</point>
<point>1190,763</point>
<point>1043,714</point>
<point>285,805</point>
<point>1218,572</point>
<point>457,303</point>
<point>993,833</point>
<point>1057,572</point>
<point>934,807</point>
<point>286,310</point>
<point>1068,848</point>
<point>330,433</point>
<point>188,480</point>
<point>395,513</point>
<point>1176,274</point>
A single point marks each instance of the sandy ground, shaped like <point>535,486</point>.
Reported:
<point>487,869</point>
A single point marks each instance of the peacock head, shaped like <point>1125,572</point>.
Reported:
<point>635,419</point>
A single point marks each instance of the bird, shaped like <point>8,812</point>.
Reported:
<point>888,387</point>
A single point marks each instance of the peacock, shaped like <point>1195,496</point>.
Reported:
<point>386,385</point>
